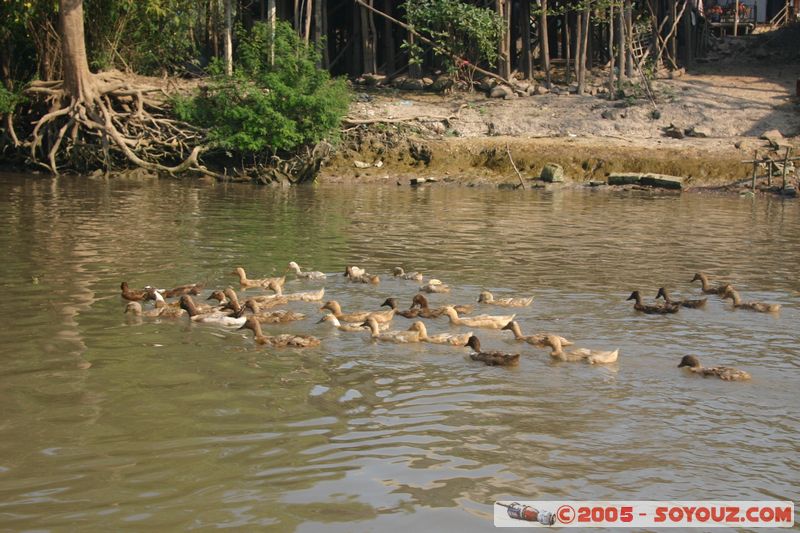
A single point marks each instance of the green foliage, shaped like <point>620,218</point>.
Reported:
<point>267,107</point>
<point>470,32</point>
<point>147,36</point>
<point>9,100</point>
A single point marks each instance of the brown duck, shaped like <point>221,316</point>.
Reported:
<point>491,358</point>
<point>410,313</point>
<point>539,340</point>
<point>724,373</point>
<point>359,316</point>
<point>652,309</point>
<point>133,295</point>
<point>283,340</point>
<point>706,287</point>
<point>759,307</point>
<point>421,301</point>
<point>692,304</point>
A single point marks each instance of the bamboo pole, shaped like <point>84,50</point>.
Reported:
<point>521,181</point>
<point>439,48</point>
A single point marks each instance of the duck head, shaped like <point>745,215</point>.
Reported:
<point>699,276</point>
<point>690,361</point>
<point>420,327</point>
<point>419,300</point>
<point>218,296</point>
<point>390,302</point>
<point>485,297</point>
<point>188,304</point>
<point>662,293</point>
<point>398,271</point>
<point>511,325</point>
<point>332,306</point>
<point>474,343</point>
<point>634,296</point>
<point>293,266</point>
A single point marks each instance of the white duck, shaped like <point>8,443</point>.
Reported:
<point>580,354</point>
<point>453,339</point>
<point>214,317</point>
<point>486,297</point>
<point>304,296</point>
<point>478,321</point>
<point>434,286</point>
<point>405,336</point>
<point>398,272</point>
<point>294,267</point>
<point>347,326</point>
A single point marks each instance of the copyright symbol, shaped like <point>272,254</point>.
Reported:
<point>565,514</point>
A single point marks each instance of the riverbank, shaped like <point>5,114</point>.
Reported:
<point>722,109</point>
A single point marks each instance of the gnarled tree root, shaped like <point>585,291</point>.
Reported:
<point>122,119</point>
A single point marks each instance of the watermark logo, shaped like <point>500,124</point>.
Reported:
<point>644,514</point>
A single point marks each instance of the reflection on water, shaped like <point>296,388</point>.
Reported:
<point>183,426</point>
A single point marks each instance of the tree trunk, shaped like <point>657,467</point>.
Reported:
<point>527,59</point>
<point>78,82</point>
<point>309,12</point>
<point>227,38</point>
<point>544,43</point>
<point>388,40</point>
<point>611,90</point>
<point>566,39</point>
<point>621,44</point>
<point>368,39</point>
<point>629,40</point>
<point>272,19</point>
<point>504,47</point>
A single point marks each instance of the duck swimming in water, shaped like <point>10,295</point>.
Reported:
<point>133,295</point>
<point>491,358</point>
<point>453,339</point>
<point>724,373</point>
<point>332,320</point>
<point>303,296</point>
<point>398,272</point>
<point>315,275</point>
<point>404,336</point>
<point>652,309</point>
<point>537,340</point>
<point>410,313</point>
<point>358,316</point>
<point>434,286</point>
<point>486,297</point>
<point>706,287</point>
<point>479,321</point>
<point>730,293</point>
<point>580,354</point>
<point>247,283</point>
<point>284,340</point>
<point>214,317</point>
<point>420,301</point>
<point>692,304</point>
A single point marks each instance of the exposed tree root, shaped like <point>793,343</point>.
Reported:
<point>123,119</point>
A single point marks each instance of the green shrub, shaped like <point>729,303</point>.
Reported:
<point>267,107</point>
<point>9,100</point>
<point>470,32</point>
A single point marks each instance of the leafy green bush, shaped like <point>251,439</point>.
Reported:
<point>470,32</point>
<point>267,107</point>
<point>8,101</point>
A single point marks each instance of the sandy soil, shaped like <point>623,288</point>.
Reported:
<point>744,89</point>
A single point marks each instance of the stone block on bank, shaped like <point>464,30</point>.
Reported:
<point>552,173</point>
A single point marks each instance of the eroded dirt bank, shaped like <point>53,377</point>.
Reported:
<point>728,103</point>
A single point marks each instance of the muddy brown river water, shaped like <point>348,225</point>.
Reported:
<point>179,426</point>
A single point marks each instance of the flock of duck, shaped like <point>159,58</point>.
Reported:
<point>228,310</point>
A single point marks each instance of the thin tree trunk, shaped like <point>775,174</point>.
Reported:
<point>673,42</point>
<point>621,43</point>
<point>368,39</point>
<point>629,34</point>
<point>228,38</point>
<point>582,47</point>
<point>272,19</point>
<point>527,57</point>
<point>388,39</point>
<point>504,66</point>
<point>544,43</point>
<point>611,51</point>
<point>309,13</point>
<point>566,39</point>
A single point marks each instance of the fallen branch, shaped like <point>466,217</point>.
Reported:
<point>521,182</point>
